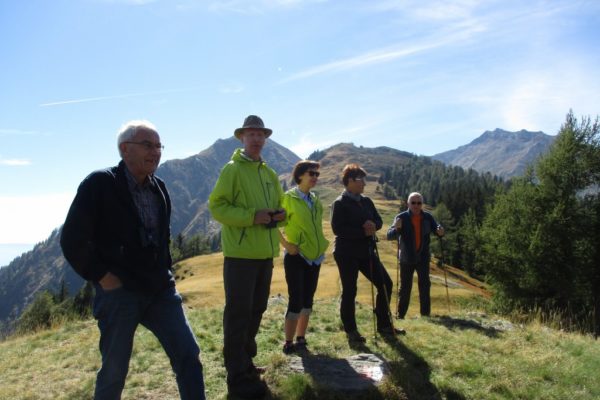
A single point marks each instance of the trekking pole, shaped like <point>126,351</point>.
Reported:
<point>372,295</point>
<point>398,275</point>
<point>385,293</point>
<point>445,277</point>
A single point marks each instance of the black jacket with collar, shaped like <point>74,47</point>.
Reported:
<point>347,219</point>
<point>104,233</point>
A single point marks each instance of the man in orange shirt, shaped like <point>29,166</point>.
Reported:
<point>412,228</point>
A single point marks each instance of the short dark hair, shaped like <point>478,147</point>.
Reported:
<point>302,166</point>
<point>352,171</point>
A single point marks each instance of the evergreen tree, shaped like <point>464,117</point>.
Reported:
<point>83,300</point>
<point>443,216</point>
<point>469,241</point>
<point>540,238</point>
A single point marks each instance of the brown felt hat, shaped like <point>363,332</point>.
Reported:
<point>253,122</point>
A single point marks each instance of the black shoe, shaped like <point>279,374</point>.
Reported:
<point>288,348</point>
<point>355,337</point>
<point>301,343</point>
<point>389,331</point>
<point>248,386</point>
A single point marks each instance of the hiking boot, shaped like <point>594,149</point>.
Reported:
<point>390,331</point>
<point>247,386</point>
<point>355,337</point>
<point>288,348</point>
<point>301,343</point>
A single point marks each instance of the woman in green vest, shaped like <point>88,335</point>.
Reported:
<point>305,247</point>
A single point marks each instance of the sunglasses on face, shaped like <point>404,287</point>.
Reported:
<point>314,173</point>
<point>416,203</point>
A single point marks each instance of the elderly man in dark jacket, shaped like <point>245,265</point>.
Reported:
<point>412,228</point>
<point>116,235</point>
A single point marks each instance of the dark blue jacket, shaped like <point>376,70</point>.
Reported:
<point>103,232</point>
<point>408,253</point>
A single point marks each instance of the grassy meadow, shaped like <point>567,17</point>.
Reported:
<point>461,355</point>
<point>458,353</point>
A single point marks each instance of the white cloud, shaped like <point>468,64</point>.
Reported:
<point>539,101</point>
<point>132,2</point>
<point>307,144</point>
<point>430,10</point>
<point>256,7</point>
<point>231,88</point>
<point>31,219</point>
<point>16,132</point>
<point>15,162</point>
<point>322,139</point>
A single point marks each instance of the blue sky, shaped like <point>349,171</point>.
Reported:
<point>419,76</point>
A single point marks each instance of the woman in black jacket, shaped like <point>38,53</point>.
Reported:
<point>355,221</point>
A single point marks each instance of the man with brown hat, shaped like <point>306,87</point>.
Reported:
<point>246,200</point>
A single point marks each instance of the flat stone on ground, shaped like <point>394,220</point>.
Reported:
<point>355,373</point>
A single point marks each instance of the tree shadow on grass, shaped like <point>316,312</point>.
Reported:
<point>413,374</point>
<point>464,324</point>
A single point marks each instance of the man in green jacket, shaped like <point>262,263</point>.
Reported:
<point>246,200</point>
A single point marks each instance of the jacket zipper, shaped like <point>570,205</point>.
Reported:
<point>242,236</point>
<point>314,217</point>
<point>267,196</point>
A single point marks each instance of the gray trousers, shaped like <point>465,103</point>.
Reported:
<point>247,283</point>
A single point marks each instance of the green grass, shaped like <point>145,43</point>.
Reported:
<point>442,357</point>
<point>456,356</point>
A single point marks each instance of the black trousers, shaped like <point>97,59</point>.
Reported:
<point>406,280</point>
<point>349,267</point>
<point>302,280</point>
<point>247,283</point>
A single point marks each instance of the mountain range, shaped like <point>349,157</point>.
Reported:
<point>190,181</point>
<point>500,152</point>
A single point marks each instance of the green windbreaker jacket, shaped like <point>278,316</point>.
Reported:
<point>245,186</point>
<point>304,225</point>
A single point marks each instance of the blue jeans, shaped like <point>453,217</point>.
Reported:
<point>119,312</point>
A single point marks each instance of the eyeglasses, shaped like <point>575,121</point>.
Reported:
<point>418,203</point>
<point>314,173</point>
<point>359,180</point>
<point>148,145</point>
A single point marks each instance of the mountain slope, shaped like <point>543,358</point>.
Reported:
<point>500,152</point>
<point>42,268</point>
<point>373,160</point>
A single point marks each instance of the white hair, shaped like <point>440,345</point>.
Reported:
<point>130,128</point>
<point>414,194</point>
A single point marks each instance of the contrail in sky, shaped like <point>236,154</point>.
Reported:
<point>382,55</point>
<point>119,96</point>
